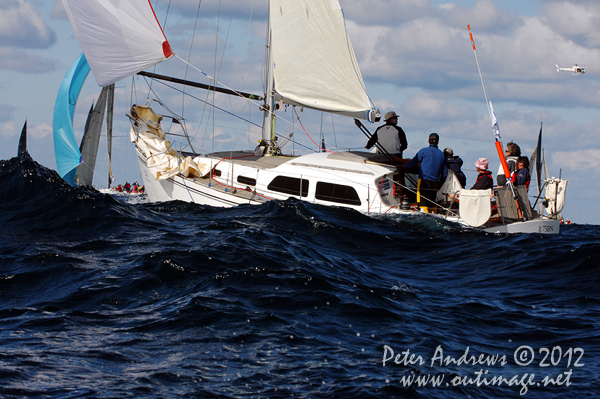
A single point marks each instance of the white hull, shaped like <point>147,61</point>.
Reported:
<point>352,173</point>
<point>539,226</point>
<point>217,192</point>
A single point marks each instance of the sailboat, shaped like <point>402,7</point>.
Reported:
<point>76,164</point>
<point>310,64</point>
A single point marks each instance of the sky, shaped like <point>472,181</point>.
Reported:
<point>415,57</point>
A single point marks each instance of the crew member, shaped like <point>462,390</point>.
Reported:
<point>390,136</point>
<point>432,172</point>
<point>454,163</point>
<point>512,153</point>
<point>522,176</point>
<point>484,179</point>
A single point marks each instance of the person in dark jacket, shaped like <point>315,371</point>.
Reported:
<point>454,163</point>
<point>512,153</point>
<point>390,136</point>
<point>522,177</point>
<point>432,171</point>
<point>484,179</point>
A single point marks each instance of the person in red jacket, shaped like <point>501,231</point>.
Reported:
<point>484,179</point>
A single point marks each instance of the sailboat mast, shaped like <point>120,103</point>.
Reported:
<point>268,122</point>
<point>109,126</point>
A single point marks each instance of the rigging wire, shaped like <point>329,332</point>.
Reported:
<point>190,56</point>
<point>311,139</point>
<point>214,106</point>
<point>163,27</point>
<point>217,72</point>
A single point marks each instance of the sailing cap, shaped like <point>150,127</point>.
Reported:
<point>434,138</point>
<point>390,115</point>
<point>482,163</point>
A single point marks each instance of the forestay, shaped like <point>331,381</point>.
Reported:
<point>118,37</point>
<point>313,61</point>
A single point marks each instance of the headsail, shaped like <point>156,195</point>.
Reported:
<point>109,125</point>
<point>118,37</point>
<point>90,142</point>
<point>66,150</point>
<point>313,61</point>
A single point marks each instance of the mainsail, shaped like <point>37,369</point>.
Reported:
<point>118,37</point>
<point>66,150</point>
<point>313,61</point>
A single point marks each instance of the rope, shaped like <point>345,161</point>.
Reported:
<point>311,139</point>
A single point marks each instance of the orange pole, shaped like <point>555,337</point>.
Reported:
<point>503,160</point>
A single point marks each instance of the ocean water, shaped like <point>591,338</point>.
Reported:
<point>105,299</point>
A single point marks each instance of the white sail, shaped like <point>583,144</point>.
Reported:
<point>90,142</point>
<point>118,37</point>
<point>313,61</point>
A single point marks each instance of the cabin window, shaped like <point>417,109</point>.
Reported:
<point>246,180</point>
<point>337,193</point>
<point>216,172</point>
<point>289,185</point>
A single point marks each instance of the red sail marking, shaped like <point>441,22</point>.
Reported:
<point>167,51</point>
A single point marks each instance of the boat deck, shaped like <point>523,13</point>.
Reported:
<point>247,158</point>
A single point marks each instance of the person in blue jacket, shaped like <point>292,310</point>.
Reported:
<point>432,171</point>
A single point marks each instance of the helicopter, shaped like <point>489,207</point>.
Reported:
<point>577,70</point>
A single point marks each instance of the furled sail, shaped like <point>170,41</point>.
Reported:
<point>313,61</point>
<point>118,37</point>
<point>90,142</point>
<point>66,150</point>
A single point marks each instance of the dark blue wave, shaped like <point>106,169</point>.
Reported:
<point>100,298</point>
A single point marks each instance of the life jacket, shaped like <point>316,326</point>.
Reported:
<point>387,135</point>
<point>514,178</point>
<point>486,173</point>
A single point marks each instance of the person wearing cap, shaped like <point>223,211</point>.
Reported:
<point>432,171</point>
<point>484,179</point>
<point>454,163</point>
<point>390,136</point>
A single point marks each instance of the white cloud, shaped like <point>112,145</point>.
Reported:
<point>40,130</point>
<point>426,107</point>
<point>22,26</point>
<point>578,160</point>
<point>58,10</point>
<point>8,128</point>
<point>575,20</point>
